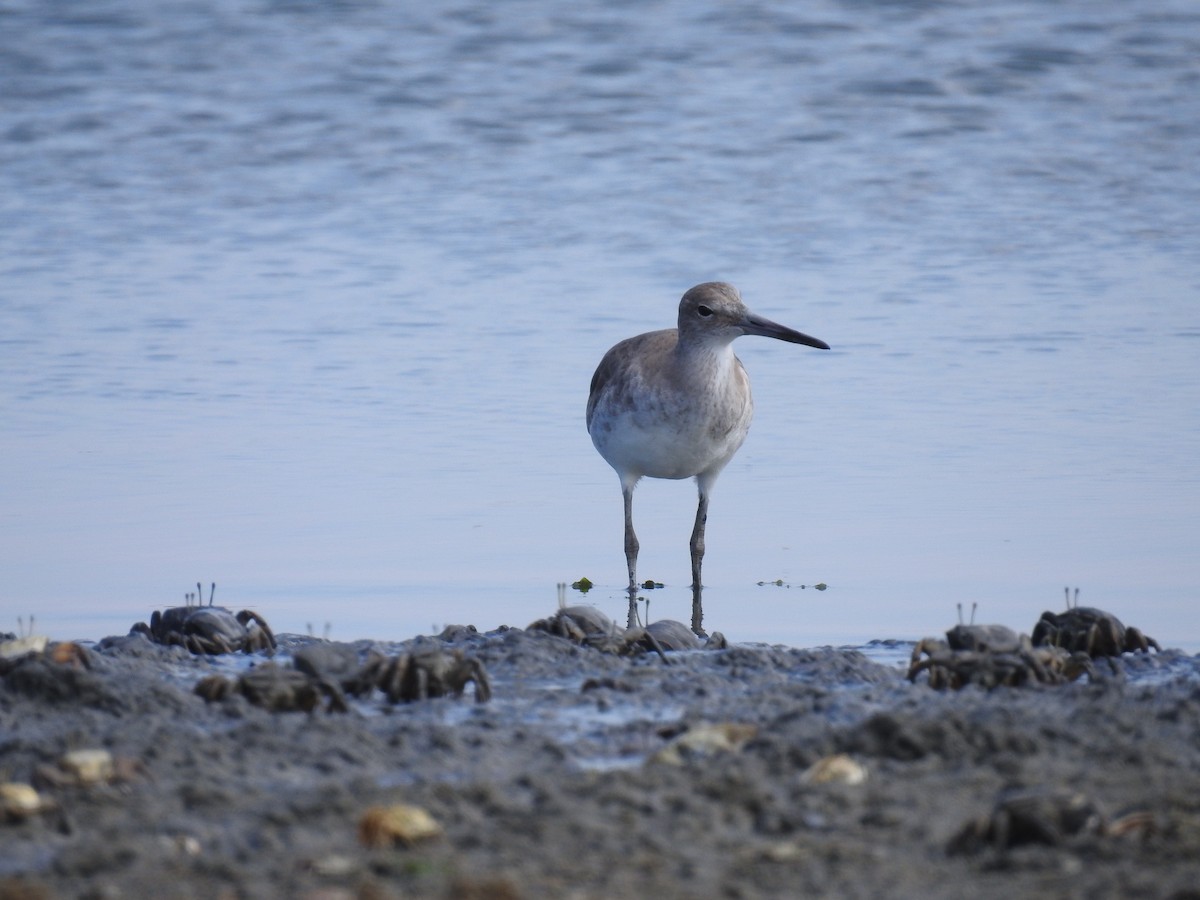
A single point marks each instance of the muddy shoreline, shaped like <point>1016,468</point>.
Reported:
<point>559,786</point>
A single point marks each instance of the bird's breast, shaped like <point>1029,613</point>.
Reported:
<point>673,422</point>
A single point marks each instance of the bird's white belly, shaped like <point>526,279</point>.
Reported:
<point>666,449</point>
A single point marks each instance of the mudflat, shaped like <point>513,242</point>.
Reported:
<point>753,771</point>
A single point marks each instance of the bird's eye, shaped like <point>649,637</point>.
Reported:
<point>703,311</point>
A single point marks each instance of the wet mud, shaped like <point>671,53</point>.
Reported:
<point>746,772</point>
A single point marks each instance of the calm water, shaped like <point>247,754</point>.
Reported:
<point>304,297</point>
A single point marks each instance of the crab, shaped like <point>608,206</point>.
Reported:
<point>25,645</point>
<point>969,636</point>
<point>422,673</point>
<point>978,639</point>
<point>276,688</point>
<point>15,646</point>
<point>970,654</point>
<point>588,626</point>
<point>992,655</point>
<point>1089,630</point>
<point>331,661</point>
<point>17,651</point>
<point>988,668</point>
<point>1043,816</point>
<point>672,635</point>
<point>578,624</point>
<point>208,629</point>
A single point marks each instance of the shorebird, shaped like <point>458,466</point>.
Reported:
<point>676,404</point>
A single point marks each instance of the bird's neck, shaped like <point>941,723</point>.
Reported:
<point>704,361</point>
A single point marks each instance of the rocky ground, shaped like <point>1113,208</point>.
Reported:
<point>589,775</point>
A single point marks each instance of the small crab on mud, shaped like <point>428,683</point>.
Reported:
<point>992,655</point>
<point>673,635</point>
<point>969,636</point>
<point>422,673</point>
<point>589,627</point>
<point>973,639</point>
<point>208,629</point>
<point>16,651</point>
<point>1043,816</point>
<point>958,668</point>
<point>1089,630</point>
<point>275,688</point>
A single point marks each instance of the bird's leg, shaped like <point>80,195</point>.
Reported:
<point>631,541</point>
<point>697,548</point>
<point>631,552</point>
<point>697,542</point>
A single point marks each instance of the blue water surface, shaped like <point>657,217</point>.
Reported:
<point>303,298</point>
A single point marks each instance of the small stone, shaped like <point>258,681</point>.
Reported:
<point>837,769</point>
<point>20,801</point>
<point>399,824</point>
<point>89,766</point>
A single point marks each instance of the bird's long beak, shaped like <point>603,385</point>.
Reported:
<point>753,324</point>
